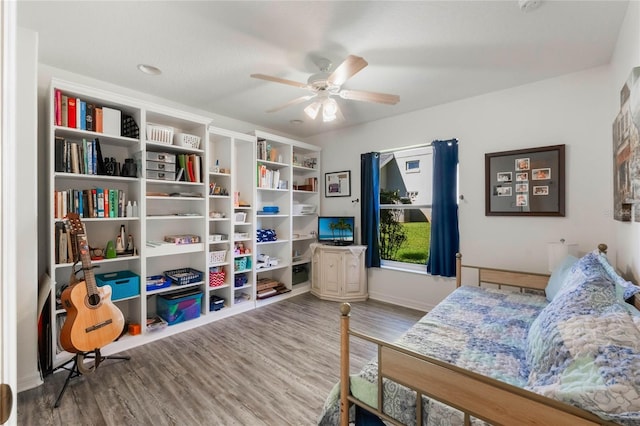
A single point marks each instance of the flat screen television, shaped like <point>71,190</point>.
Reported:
<point>336,230</point>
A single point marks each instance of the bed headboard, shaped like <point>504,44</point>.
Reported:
<point>503,277</point>
<point>519,279</point>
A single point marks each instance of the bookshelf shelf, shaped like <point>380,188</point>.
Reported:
<point>101,178</point>
<point>166,198</point>
<point>69,132</point>
<point>155,146</point>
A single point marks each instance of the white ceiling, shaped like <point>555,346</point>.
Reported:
<point>427,52</point>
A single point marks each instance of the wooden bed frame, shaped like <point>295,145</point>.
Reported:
<point>475,395</point>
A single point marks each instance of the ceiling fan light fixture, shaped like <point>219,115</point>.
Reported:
<point>329,110</point>
<point>312,110</point>
<point>149,69</point>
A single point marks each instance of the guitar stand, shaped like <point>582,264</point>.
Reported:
<point>76,370</point>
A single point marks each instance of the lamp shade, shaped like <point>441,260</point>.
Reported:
<point>557,251</point>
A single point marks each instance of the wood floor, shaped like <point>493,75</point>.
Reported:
<point>271,366</point>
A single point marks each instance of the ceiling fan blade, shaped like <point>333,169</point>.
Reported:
<point>347,69</point>
<point>313,109</point>
<point>339,115</point>
<point>280,80</point>
<point>291,102</point>
<point>359,95</point>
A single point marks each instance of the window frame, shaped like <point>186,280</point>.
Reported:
<point>394,264</point>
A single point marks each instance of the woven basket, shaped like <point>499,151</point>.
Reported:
<point>240,263</point>
<point>186,140</point>
<point>216,279</point>
<point>217,256</point>
<point>162,134</point>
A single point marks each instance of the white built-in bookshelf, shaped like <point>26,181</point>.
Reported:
<point>216,202</point>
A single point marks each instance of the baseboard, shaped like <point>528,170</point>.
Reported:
<point>29,382</point>
<point>407,303</point>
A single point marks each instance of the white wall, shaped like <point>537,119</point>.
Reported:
<point>27,218</point>
<point>626,57</point>
<point>571,110</point>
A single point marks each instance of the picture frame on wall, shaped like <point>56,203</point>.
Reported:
<point>543,165</point>
<point>337,184</point>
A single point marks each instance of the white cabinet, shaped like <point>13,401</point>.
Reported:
<point>231,228</point>
<point>76,184</point>
<point>192,180</point>
<point>339,273</point>
<point>286,205</point>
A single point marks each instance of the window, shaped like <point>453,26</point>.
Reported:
<point>405,207</point>
<point>412,166</point>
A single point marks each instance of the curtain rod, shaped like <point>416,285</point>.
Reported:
<point>406,148</point>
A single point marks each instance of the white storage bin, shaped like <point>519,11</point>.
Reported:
<point>186,140</point>
<point>159,165</point>
<point>165,157</point>
<point>217,256</point>
<point>157,133</point>
<point>155,174</point>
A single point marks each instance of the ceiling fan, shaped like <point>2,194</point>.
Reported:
<point>325,85</point>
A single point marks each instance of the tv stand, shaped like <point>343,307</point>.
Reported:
<point>338,272</point>
<point>338,243</point>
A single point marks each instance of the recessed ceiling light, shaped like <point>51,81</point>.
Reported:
<point>296,122</point>
<point>149,69</point>
<point>529,5</point>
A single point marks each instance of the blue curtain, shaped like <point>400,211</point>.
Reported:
<point>445,237</point>
<point>369,208</point>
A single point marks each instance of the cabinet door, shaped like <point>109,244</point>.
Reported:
<point>353,275</point>
<point>331,273</point>
<point>315,271</point>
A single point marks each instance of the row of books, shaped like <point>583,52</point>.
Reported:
<point>83,157</point>
<point>268,178</point>
<point>190,165</point>
<point>265,151</point>
<point>96,202</point>
<point>65,247</point>
<point>75,113</point>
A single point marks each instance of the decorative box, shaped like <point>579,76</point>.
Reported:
<point>182,239</point>
<point>299,274</point>
<point>178,307</point>
<point>123,284</point>
<point>155,174</point>
<point>215,303</point>
<point>161,166</point>
<point>155,282</point>
<point>240,280</point>
<point>165,157</point>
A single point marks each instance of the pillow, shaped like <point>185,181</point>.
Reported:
<point>558,277</point>
<point>624,289</point>
<point>584,347</point>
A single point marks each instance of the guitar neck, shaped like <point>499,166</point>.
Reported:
<point>85,258</point>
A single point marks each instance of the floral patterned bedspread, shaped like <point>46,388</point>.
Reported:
<point>483,330</point>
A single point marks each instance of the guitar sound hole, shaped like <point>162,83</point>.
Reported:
<point>94,299</point>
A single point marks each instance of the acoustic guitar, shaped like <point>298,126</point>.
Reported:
<point>93,321</point>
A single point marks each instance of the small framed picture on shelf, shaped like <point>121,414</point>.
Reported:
<point>337,184</point>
